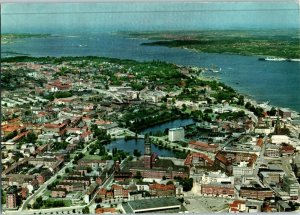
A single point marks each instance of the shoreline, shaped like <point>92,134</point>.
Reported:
<point>296,60</point>
<point>250,98</point>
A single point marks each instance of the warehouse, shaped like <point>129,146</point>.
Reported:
<point>152,205</point>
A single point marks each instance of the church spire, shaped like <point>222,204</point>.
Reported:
<point>147,153</point>
<point>277,125</point>
<point>147,146</point>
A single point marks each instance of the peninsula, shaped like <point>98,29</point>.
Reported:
<point>283,44</point>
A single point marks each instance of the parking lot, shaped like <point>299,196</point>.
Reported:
<point>206,204</point>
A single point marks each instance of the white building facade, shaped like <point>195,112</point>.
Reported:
<point>176,134</point>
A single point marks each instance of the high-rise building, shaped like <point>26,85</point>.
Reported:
<point>11,197</point>
<point>176,134</point>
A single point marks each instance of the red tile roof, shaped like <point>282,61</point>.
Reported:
<point>103,122</point>
<point>116,187</point>
<point>85,134</point>
<point>54,125</point>
<point>105,210</point>
<point>259,142</point>
<point>20,136</point>
<point>222,158</point>
<point>189,158</point>
<point>234,209</point>
<point>157,186</point>
<point>202,144</point>
<point>102,191</point>
<point>10,128</point>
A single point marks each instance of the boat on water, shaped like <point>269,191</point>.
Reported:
<point>294,60</point>
<point>214,70</point>
<point>274,59</point>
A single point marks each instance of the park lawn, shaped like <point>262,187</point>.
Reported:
<point>47,193</point>
<point>67,202</point>
<point>72,155</point>
<point>91,157</point>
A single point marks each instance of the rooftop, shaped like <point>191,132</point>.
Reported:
<point>175,129</point>
<point>151,204</point>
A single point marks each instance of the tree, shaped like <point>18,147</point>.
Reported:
<point>292,205</point>
<point>130,158</point>
<point>89,169</point>
<point>170,182</point>
<point>85,210</point>
<point>38,203</point>
<point>98,200</point>
<point>241,100</point>
<point>31,138</point>
<point>187,183</point>
<point>164,177</point>
<point>272,112</point>
<point>136,153</point>
<point>3,198</point>
<point>248,105</point>
<point>10,135</point>
<point>138,175</point>
<point>67,170</point>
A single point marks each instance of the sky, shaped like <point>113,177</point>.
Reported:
<point>141,16</point>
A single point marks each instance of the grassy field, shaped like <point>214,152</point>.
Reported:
<point>259,43</point>
<point>50,201</point>
<point>92,157</point>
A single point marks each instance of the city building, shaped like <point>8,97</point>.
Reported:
<point>216,177</point>
<point>176,134</point>
<point>272,150</point>
<point>91,190</point>
<point>157,189</point>
<point>296,165</point>
<point>197,159</point>
<point>279,139</point>
<point>242,168</point>
<point>105,211</point>
<point>152,205</point>
<point>285,113</point>
<point>227,160</point>
<point>237,206</point>
<point>151,166</point>
<point>258,193</point>
<point>11,197</point>
<point>204,146</point>
<point>268,177</point>
<point>58,193</point>
<point>217,189</point>
<point>283,206</point>
<point>291,186</point>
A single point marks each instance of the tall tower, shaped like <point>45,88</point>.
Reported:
<point>277,125</point>
<point>11,197</point>
<point>147,153</point>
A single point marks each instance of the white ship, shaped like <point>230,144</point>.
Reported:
<point>298,60</point>
<point>274,59</point>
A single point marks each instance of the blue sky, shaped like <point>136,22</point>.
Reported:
<point>97,17</point>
